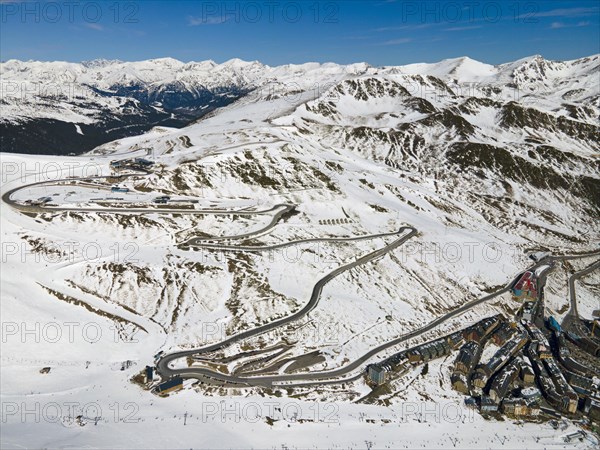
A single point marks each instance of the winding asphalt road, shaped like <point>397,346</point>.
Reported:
<point>285,208</point>
<point>267,381</point>
<point>7,198</point>
<point>572,321</point>
<point>405,233</point>
<point>203,242</point>
<point>318,378</point>
<point>163,364</point>
<point>327,377</point>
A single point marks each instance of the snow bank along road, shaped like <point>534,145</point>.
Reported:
<point>163,365</point>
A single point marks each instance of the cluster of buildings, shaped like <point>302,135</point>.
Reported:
<point>428,351</point>
<point>423,353</point>
<point>159,387</point>
<point>470,353</point>
<point>555,387</point>
<point>495,383</point>
<point>130,164</point>
<point>484,372</point>
<point>522,374</point>
<point>580,377</point>
<point>531,367</point>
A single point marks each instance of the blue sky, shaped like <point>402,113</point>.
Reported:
<point>379,32</point>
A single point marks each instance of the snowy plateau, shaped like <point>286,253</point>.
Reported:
<point>307,221</point>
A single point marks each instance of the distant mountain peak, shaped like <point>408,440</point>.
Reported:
<point>167,61</point>
<point>165,91</point>
<point>100,62</point>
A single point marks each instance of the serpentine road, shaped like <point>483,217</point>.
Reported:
<point>320,378</point>
<point>7,198</point>
<point>163,363</point>
<point>203,242</point>
<point>404,234</point>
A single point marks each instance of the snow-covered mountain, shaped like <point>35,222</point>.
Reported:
<point>460,148</point>
<point>487,163</point>
<point>60,107</point>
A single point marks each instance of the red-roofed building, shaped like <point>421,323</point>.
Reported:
<point>525,286</point>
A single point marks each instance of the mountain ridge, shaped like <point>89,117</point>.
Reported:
<point>79,106</point>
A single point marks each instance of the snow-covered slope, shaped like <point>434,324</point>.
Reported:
<point>61,107</point>
<point>486,163</point>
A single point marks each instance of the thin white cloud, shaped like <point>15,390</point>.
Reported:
<point>197,21</point>
<point>563,12</point>
<point>397,41</point>
<point>357,38</point>
<point>95,26</point>
<point>556,25</point>
<point>470,27</point>
<point>404,27</point>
